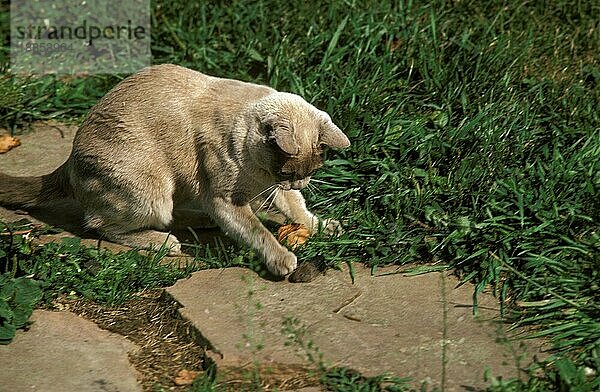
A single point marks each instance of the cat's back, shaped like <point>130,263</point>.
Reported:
<point>169,84</point>
<point>155,87</point>
<point>141,113</point>
<point>169,92</point>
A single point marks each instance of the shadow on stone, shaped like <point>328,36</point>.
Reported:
<point>67,215</point>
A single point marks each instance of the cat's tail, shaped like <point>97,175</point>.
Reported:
<point>27,192</point>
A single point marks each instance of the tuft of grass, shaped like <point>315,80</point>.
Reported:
<point>336,378</point>
<point>563,375</point>
<point>18,296</point>
<point>70,268</point>
<point>25,99</point>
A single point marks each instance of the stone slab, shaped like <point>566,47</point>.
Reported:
<point>413,326</point>
<point>63,352</point>
<point>43,148</point>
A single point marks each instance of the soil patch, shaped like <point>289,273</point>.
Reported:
<point>169,344</point>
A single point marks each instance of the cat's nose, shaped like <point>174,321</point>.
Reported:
<point>285,185</point>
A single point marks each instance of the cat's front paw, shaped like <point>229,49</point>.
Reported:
<point>172,244</point>
<point>332,227</point>
<point>174,248</point>
<point>282,264</point>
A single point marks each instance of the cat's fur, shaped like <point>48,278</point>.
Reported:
<point>169,139</point>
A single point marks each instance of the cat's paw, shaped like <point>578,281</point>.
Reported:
<point>332,227</point>
<point>174,248</point>
<point>283,264</point>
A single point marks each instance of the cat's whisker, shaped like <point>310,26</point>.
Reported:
<point>262,205</point>
<point>313,189</point>
<point>310,188</point>
<point>320,181</point>
<point>267,189</point>
<point>272,196</point>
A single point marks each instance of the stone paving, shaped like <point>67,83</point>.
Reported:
<point>62,352</point>
<point>418,326</point>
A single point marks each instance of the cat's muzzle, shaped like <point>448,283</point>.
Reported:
<point>296,185</point>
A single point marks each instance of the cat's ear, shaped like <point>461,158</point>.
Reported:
<point>282,133</point>
<point>330,135</point>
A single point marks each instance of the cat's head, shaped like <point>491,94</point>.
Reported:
<point>295,134</point>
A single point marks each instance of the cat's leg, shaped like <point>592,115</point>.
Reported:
<point>126,212</point>
<point>131,230</point>
<point>240,223</point>
<point>292,204</point>
<point>145,239</point>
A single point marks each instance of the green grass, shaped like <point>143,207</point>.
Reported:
<point>69,267</point>
<point>30,274</point>
<point>475,130</point>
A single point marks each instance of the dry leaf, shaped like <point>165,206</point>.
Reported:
<point>186,377</point>
<point>293,235</point>
<point>8,142</point>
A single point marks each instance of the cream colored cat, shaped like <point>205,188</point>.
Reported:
<point>171,140</point>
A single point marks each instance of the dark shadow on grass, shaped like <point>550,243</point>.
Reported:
<point>67,215</point>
